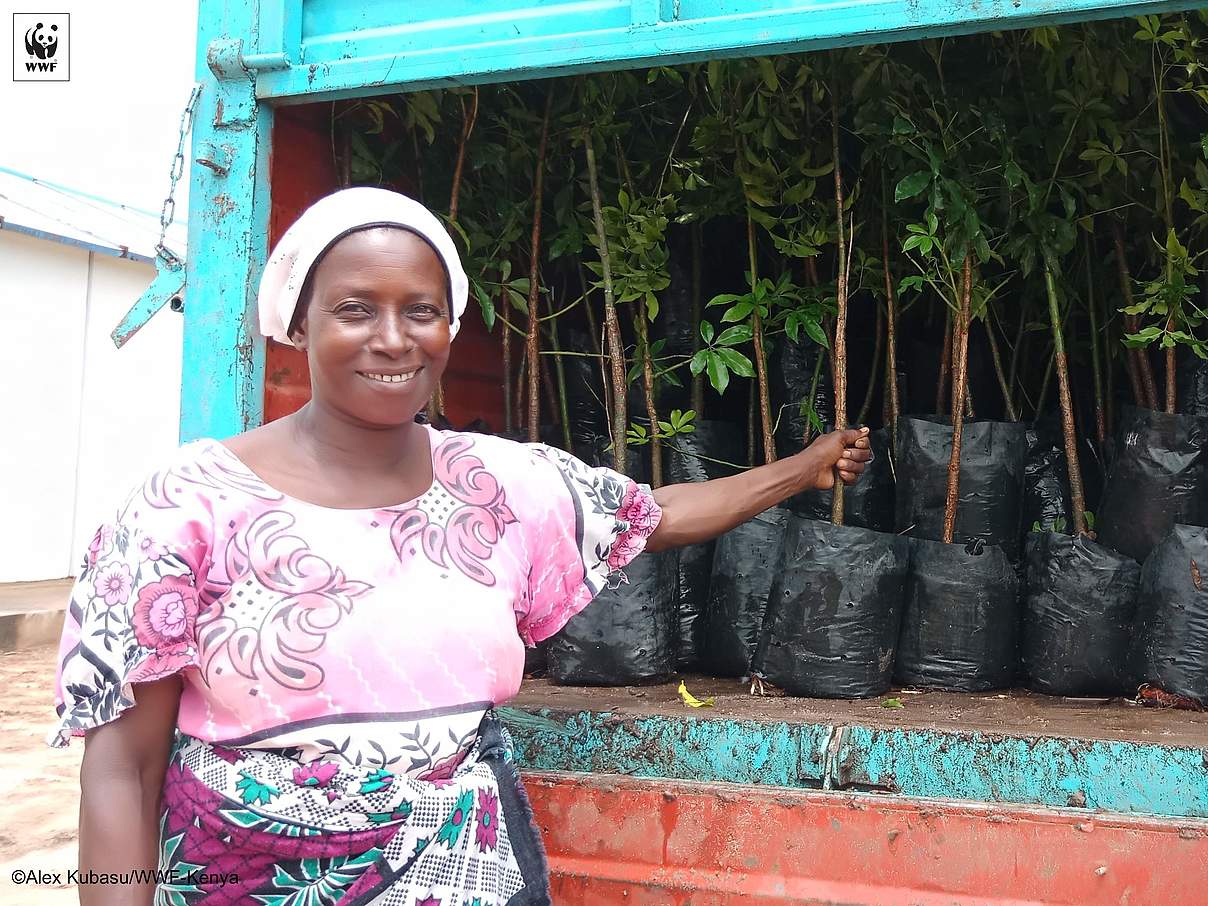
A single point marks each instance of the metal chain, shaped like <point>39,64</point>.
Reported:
<point>168,213</point>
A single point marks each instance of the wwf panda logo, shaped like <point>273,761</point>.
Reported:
<point>41,42</point>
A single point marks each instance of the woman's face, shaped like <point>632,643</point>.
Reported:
<point>376,330</point>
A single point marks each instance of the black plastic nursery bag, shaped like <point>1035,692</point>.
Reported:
<point>831,630</point>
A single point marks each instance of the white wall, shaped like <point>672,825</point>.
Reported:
<point>130,417</point>
<point>83,421</point>
<point>43,295</point>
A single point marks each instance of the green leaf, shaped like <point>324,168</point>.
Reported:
<point>811,415</point>
<point>816,333</point>
<point>723,299</point>
<point>697,365</point>
<point>892,703</point>
<point>719,377</point>
<point>519,302</point>
<point>738,312</point>
<point>732,336</point>
<point>912,185</point>
<point>815,172</point>
<point>487,305</point>
<point>706,331</point>
<point>767,69</point>
<point>737,362</point>
<point>760,198</point>
<point>652,306</point>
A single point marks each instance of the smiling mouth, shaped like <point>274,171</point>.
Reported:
<point>382,377</point>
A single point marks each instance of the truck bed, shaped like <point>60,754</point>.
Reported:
<point>1010,747</point>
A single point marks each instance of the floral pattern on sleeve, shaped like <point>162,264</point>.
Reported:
<point>131,619</point>
<point>596,523</point>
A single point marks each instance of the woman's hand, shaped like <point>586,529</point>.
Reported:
<point>843,453</point>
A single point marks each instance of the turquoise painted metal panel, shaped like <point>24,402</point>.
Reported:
<point>167,288</point>
<point>222,386</point>
<point>733,751</point>
<point>1117,776</point>
<point>1140,778</point>
<point>358,49</point>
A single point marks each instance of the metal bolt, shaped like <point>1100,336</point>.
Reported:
<point>1101,870</point>
<point>217,157</point>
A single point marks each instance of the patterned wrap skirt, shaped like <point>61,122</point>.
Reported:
<point>254,826</point>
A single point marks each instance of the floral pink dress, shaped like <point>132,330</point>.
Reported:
<point>337,665</point>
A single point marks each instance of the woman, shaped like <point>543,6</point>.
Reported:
<point>284,649</point>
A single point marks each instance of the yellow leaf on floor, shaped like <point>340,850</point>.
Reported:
<point>691,700</point>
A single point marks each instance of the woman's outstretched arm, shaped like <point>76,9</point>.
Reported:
<point>702,510</point>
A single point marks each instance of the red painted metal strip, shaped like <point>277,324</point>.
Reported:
<point>614,840</point>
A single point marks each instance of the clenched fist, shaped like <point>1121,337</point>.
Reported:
<point>843,453</point>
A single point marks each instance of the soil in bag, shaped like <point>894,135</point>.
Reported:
<point>698,456</point>
<point>744,565</point>
<point>991,480</point>
<point>627,636</point>
<point>834,612</point>
<point>1078,611</point>
<point>961,620</point>
<point>866,504</point>
<point>1159,478</point>
<point>1171,628</point>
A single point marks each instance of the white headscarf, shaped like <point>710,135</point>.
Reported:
<point>331,218</point>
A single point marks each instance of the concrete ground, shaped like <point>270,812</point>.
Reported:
<point>40,805</point>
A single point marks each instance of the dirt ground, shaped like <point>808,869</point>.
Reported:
<point>39,810</point>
